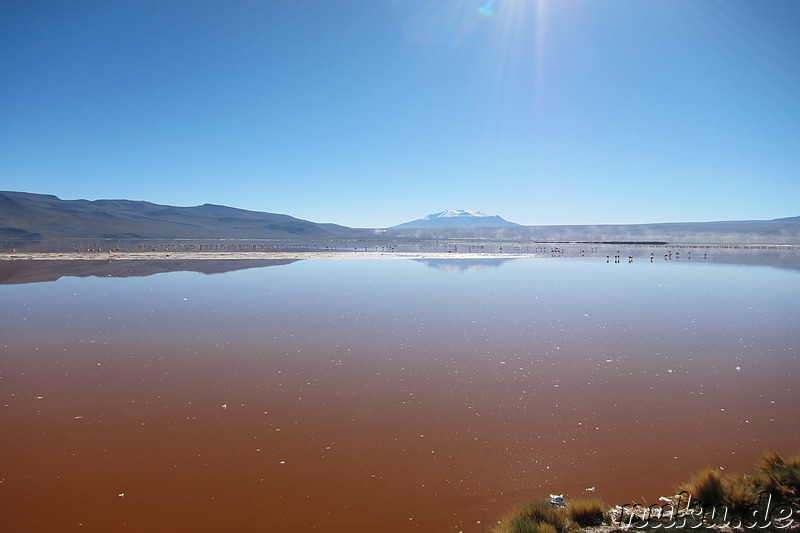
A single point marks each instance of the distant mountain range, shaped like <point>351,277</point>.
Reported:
<point>36,217</point>
<point>457,218</point>
<point>454,224</point>
<point>31,216</point>
<point>778,231</point>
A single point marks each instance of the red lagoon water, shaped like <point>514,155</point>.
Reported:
<point>384,395</point>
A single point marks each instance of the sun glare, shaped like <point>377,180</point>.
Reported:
<point>486,9</point>
<point>519,41</point>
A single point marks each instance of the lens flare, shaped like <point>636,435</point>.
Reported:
<point>486,9</point>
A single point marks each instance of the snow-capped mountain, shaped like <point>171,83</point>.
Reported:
<point>457,218</point>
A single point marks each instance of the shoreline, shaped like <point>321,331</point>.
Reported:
<point>494,251</point>
<point>267,256</point>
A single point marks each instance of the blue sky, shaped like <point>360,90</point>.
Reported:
<point>370,113</point>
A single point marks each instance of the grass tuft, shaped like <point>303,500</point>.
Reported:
<point>526,525</point>
<point>706,486</point>
<point>741,491</point>
<point>537,516</point>
<point>588,512</point>
<point>769,462</point>
<point>792,475</point>
<point>769,483</point>
<point>778,476</point>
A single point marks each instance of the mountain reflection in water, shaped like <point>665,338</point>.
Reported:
<point>35,271</point>
<point>463,265</point>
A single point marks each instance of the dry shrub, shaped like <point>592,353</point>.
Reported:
<point>706,487</point>
<point>741,491</point>
<point>782,476</point>
<point>768,483</point>
<point>589,512</point>
<point>526,525</point>
<point>769,462</point>
<point>534,517</point>
<point>792,474</point>
<point>793,461</point>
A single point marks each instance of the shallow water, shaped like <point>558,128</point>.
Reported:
<point>392,395</point>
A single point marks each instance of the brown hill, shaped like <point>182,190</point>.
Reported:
<point>31,216</point>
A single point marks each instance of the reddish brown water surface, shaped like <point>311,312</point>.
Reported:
<point>384,395</point>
